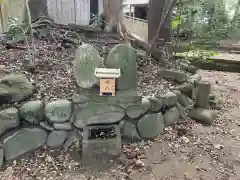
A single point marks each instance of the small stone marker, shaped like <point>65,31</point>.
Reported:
<point>86,60</point>
<point>107,80</point>
<point>124,57</point>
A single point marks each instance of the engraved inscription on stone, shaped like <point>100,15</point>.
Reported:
<point>29,114</point>
<point>59,111</point>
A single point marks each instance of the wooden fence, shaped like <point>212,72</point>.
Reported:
<point>11,8</point>
<point>64,12</point>
<point>138,26</point>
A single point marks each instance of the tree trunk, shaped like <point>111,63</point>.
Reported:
<point>235,17</point>
<point>156,8</point>
<point>113,15</point>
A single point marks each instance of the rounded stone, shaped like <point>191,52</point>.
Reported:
<point>32,111</point>
<point>135,111</point>
<point>151,125</point>
<point>23,141</point>
<point>9,118</point>
<point>203,116</point>
<point>171,116</point>
<point>170,99</point>
<point>182,98</point>
<point>58,111</point>
<point>155,104</point>
<point>129,131</point>
<point>15,87</point>
<point>56,139</point>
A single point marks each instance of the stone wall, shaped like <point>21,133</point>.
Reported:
<point>62,123</point>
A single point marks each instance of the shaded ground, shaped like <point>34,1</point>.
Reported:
<point>197,152</point>
<point>210,153</point>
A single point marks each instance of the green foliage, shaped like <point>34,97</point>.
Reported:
<point>18,30</point>
<point>205,23</point>
<point>96,20</point>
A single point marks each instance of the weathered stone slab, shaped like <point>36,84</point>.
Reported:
<point>58,111</point>
<point>155,104</point>
<point>9,118</point>
<point>122,98</point>
<point>93,96</point>
<point>15,87</point>
<point>182,98</point>
<point>202,94</point>
<point>173,75</point>
<point>134,111</point>
<point>96,114</point>
<point>203,116</point>
<point>137,110</point>
<point>56,139</point>
<point>170,99</point>
<point>129,131</point>
<point>23,141</point>
<point>124,57</point>
<point>80,98</point>
<point>32,111</point>
<point>151,125</point>
<point>125,101</point>
<point>125,98</point>
<point>171,116</point>
<point>63,126</point>
<point>86,60</point>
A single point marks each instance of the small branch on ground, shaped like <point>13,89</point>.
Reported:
<point>30,61</point>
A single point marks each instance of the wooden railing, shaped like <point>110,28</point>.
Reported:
<point>138,26</point>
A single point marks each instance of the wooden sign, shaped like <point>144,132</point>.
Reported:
<point>107,85</point>
<point>107,80</point>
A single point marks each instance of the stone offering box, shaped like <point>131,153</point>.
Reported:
<point>107,80</point>
<point>100,143</point>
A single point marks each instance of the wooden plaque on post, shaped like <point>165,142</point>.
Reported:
<point>107,80</point>
<point>107,85</point>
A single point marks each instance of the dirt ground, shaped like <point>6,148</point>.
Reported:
<point>201,153</point>
<point>204,153</point>
<point>187,151</point>
<point>197,153</point>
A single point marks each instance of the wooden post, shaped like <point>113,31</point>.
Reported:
<point>107,80</point>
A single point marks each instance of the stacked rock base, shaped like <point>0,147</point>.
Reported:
<point>60,124</point>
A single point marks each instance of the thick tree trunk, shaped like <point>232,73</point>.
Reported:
<point>156,8</point>
<point>113,15</point>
